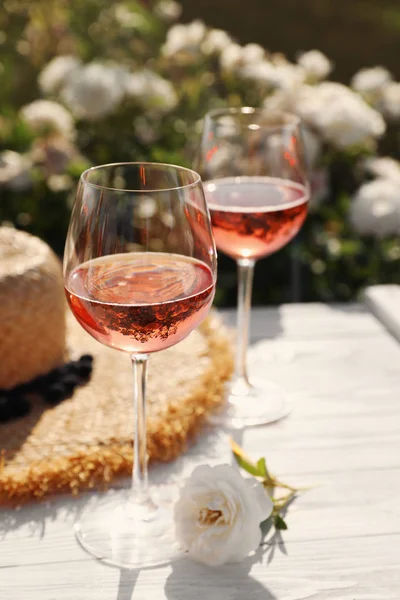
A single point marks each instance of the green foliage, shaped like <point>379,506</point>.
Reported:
<point>271,484</point>
<point>328,258</point>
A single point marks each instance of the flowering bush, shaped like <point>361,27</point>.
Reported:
<point>103,82</point>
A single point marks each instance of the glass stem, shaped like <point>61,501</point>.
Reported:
<point>140,492</point>
<point>245,284</point>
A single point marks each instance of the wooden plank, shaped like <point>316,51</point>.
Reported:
<point>338,506</point>
<point>384,303</point>
<point>362,568</point>
<point>309,321</point>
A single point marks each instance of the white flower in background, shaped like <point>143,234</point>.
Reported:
<point>46,116</point>
<point>319,184</point>
<point>168,10</point>
<point>215,41</point>
<point>281,74</point>
<point>56,72</point>
<point>94,91</point>
<point>312,147</point>
<point>184,39</point>
<point>370,81</point>
<point>59,183</point>
<point>252,53</point>
<point>15,171</point>
<point>310,99</point>
<point>129,19</point>
<point>53,154</point>
<point>288,76</point>
<point>375,209</point>
<point>263,72</point>
<point>145,130</point>
<point>220,162</point>
<point>239,58</point>
<point>218,515</point>
<point>384,167</point>
<point>227,126</point>
<point>341,116</point>
<point>389,100</point>
<point>280,100</point>
<point>231,57</point>
<point>315,65</point>
<point>151,91</point>
<point>301,99</point>
<point>378,88</point>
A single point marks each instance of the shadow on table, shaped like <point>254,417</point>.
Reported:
<point>265,322</point>
<point>229,582</point>
<point>195,581</point>
<point>126,584</point>
<point>37,516</point>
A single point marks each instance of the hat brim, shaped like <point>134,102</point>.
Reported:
<point>86,440</point>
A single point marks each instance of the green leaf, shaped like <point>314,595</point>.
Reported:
<point>247,466</point>
<point>279,523</point>
<point>262,468</point>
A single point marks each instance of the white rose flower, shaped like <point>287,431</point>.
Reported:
<point>94,91</point>
<point>215,41</point>
<point>53,155</point>
<point>388,102</point>
<point>56,72</point>
<point>240,58</point>
<point>341,116</point>
<point>184,39</point>
<point>281,100</point>
<point>151,91</point>
<point>315,64</point>
<point>375,209</point>
<point>262,72</point>
<point>218,515</point>
<point>46,116</point>
<point>231,57</point>
<point>168,10</point>
<point>15,171</point>
<point>307,103</point>
<point>289,76</point>
<point>384,167</point>
<point>252,53</point>
<point>370,81</point>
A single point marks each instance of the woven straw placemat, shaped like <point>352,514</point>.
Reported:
<point>86,441</point>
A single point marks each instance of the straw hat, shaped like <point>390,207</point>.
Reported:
<point>32,308</point>
<point>86,439</point>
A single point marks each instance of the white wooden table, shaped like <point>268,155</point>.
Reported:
<point>342,368</point>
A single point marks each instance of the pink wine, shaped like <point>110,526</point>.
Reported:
<point>255,216</point>
<point>140,302</point>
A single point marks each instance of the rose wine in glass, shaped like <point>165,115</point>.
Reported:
<point>256,188</point>
<point>139,271</point>
<point>140,302</point>
<point>253,217</point>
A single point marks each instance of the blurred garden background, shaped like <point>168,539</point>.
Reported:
<point>84,82</point>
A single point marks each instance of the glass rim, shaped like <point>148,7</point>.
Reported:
<point>292,120</point>
<point>177,168</point>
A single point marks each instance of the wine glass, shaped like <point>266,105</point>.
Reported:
<point>253,168</point>
<point>139,272</point>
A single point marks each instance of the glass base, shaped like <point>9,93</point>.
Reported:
<point>254,404</point>
<point>128,536</point>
